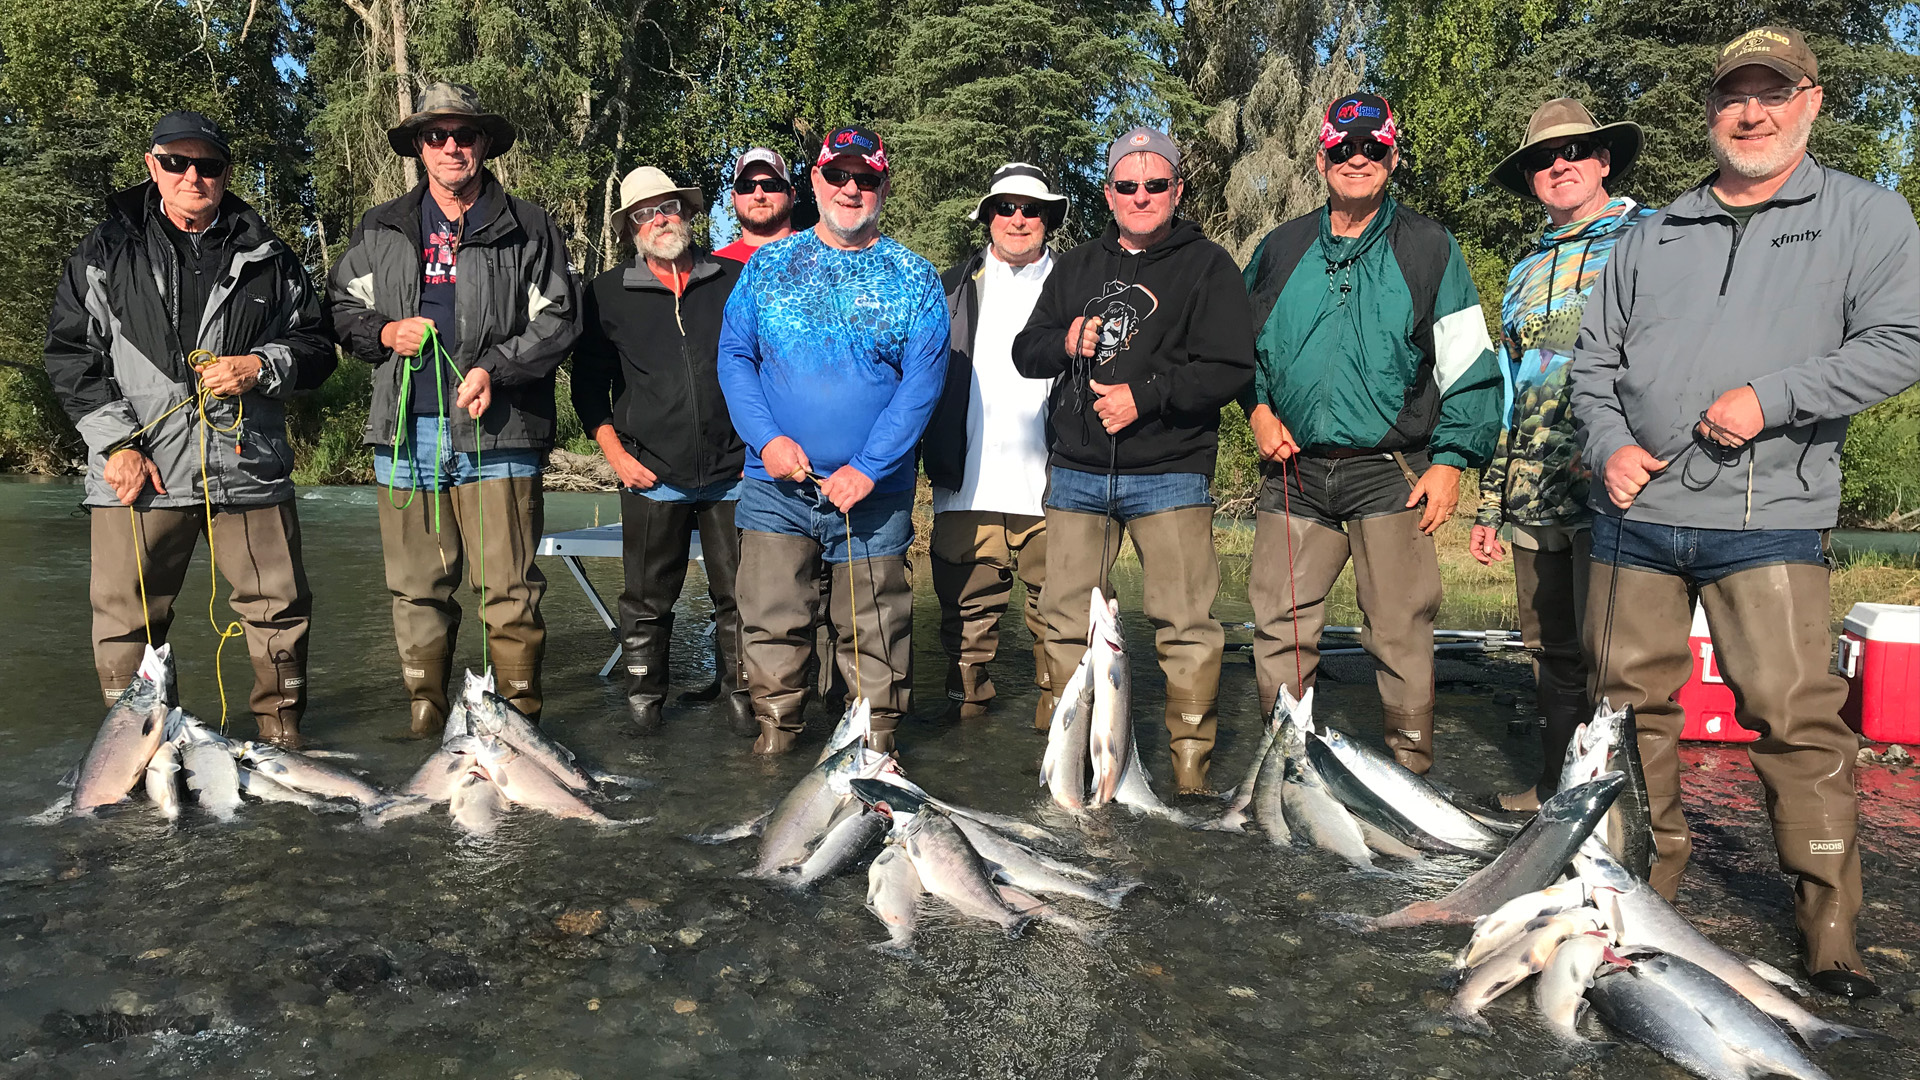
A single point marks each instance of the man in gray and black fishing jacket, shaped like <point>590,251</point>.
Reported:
<point>178,330</point>
<point>1731,337</point>
<point>461,296</point>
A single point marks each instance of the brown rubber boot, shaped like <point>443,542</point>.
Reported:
<point>1643,663</point>
<point>1773,642</point>
<point>280,697</point>
<point>1191,727</point>
<point>777,589</point>
<point>973,596</point>
<point>1409,735</point>
<point>426,683</point>
<point>882,595</point>
<point>504,518</point>
<point>776,737</point>
<point>1551,586</point>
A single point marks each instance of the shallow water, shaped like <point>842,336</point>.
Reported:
<point>287,943</point>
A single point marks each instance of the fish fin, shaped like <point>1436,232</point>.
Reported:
<point>1119,892</point>
<point>728,835</point>
<point>1778,978</point>
<point>329,755</point>
<point>613,824</point>
<point>72,777</point>
<point>61,808</point>
<point>1467,1023</point>
<point>1232,821</point>
<point>632,783</point>
<point>1828,1033</point>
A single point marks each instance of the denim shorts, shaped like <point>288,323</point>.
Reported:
<point>1702,556</point>
<point>1125,496</point>
<point>457,468</point>
<point>882,523</point>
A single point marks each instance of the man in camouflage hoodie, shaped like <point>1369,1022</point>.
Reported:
<point>1535,481</point>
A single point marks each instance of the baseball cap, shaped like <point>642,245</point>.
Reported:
<point>1777,47</point>
<point>1359,116</point>
<point>854,142</point>
<point>176,126</point>
<point>1143,140</point>
<point>761,155</point>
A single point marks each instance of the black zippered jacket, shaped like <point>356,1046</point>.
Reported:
<point>1176,328</point>
<point>645,363</point>
<point>943,449</point>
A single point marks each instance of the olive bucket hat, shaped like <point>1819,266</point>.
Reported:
<point>1558,119</point>
<point>448,101</point>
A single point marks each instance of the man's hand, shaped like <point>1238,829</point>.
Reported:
<point>1738,414</point>
<point>632,474</point>
<point>405,335</point>
<point>1484,545</point>
<point>128,472</point>
<point>784,460</point>
<point>475,393</point>
<point>1115,407</point>
<point>230,375</point>
<point>846,487</point>
<point>1628,470</point>
<point>1441,488</point>
<point>1083,337</point>
<point>1270,436</point>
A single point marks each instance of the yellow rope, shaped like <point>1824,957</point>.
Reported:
<point>140,571</point>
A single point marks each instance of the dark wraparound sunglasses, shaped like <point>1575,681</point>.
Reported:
<point>462,137</point>
<point>1025,210</point>
<point>1339,152</point>
<point>771,184</point>
<point>1541,157</point>
<point>1156,186</point>
<point>210,168</point>
<point>866,181</point>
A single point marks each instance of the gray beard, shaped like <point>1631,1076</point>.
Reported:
<point>1761,166</point>
<point>859,229</point>
<point>667,244</point>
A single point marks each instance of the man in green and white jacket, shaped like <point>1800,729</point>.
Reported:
<point>1376,387</point>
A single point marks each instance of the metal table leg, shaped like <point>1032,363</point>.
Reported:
<point>580,575</point>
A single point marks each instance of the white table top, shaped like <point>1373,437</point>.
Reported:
<point>598,542</point>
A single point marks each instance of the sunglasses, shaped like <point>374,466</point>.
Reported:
<point>1339,152</point>
<point>1025,210</point>
<point>1156,186</point>
<point>647,214</point>
<point>209,168</point>
<point>771,184</point>
<point>462,137</point>
<point>1542,157</point>
<point>866,181</point>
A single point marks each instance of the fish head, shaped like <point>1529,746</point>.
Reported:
<point>465,746</point>
<point>156,667</point>
<point>856,725</point>
<point>493,752</point>
<point>1104,624</point>
<point>476,685</point>
<point>889,800</point>
<point>458,725</point>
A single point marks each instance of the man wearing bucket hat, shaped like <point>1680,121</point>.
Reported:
<point>1377,387</point>
<point>182,291</point>
<point>461,296</point>
<point>762,202</point>
<point>1144,332</point>
<point>832,356</point>
<point>1732,336</point>
<point>985,450</point>
<point>1535,481</point>
<point>646,389</point>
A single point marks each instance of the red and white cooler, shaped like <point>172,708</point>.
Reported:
<point>1707,698</point>
<point>1880,656</point>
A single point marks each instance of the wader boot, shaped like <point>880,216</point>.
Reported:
<point>423,571</point>
<point>882,671</point>
<point>426,683</point>
<point>720,545</point>
<point>1409,734</point>
<point>1180,576</point>
<point>778,593</point>
<point>1190,733</point>
<point>1643,662</point>
<point>280,697</point>
<point>1773,643</point>
<point>516,671</point>
<point>504,519</point>
<point>1396,579</point>
<point>644,657</point>
<point>973,596</point>
<point>1043,677</point>
<point>654,542</point>
<point>1551,586</point>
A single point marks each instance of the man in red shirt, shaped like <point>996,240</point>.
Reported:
<point>762,202</point>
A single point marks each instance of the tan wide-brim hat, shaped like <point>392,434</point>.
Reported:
<point>450,101</point>
<point>1558,119</point>
<point>646,182</point>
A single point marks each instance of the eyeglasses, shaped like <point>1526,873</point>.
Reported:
<point>1772,99</point>
<point>462,137</point>
<point>646,214</point>
<point>866,181</point>
<point>1542,157</point>
<point>1025,210</point>
<point>770,184</point>
<point>1156,186</point>
<point>209,168</point>
<point>1339,152</point>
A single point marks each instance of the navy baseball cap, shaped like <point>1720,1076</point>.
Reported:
<point>1359,116</point>
<point>176,126</point>
<point>857,142</point>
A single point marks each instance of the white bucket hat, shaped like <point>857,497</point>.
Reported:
<point>646,182</point>
<point>1020,178</point>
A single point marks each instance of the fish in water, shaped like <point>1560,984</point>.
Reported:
<point>855,830</point>
<point>493,716</point>
<point>803,817</point>
<point>1063,771</point>
<point>1689,1016</point>
<point>295,770</point>
<point>1610,743</point>
<point>1313,814</point>
<point>212,777</point>
<point>1110,731</point>
<point>1400,801</point>
<point>1512,965</point>
<point>1536,857</point>
<point>1240,799</point>
<point>951,869</point>
<point>163,780</point>
<point>259,787</point>
<point>1016,864</point>
<point>856,725</point>
<point>476,803</point>
<point>525,781</point>
<point>1560,992</point>
<point>127,738</point>
<point>444,770</point>
<point>1492,932</point>
<point>893,895</point>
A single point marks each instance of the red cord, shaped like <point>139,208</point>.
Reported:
<point>1293,595</point>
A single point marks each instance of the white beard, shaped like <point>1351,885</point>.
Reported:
<point>668,243</point>
<point>1789,144</point>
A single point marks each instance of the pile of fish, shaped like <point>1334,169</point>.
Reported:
<point>146,737</point>
<point>1091,757</point>
<point>983,865</point>
<point>493,758</point>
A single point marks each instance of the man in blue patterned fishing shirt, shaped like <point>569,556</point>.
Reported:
<point>832,356</point>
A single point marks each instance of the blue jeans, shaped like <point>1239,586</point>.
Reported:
<point>1702,556</point>
<point>724,491</point>
<point>882,523</point>
<point>1124,497</point>
<point>457,468</point>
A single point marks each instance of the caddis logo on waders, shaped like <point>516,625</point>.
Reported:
<point>1826,847</point>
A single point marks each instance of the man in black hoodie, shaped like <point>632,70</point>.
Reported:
<point>646,389</point>
<point>1149,332</point>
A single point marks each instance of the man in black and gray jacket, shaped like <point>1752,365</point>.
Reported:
<point>1731,336</point>
<point>461,297</point>
<point>179,329</point>
<point>646,389</point>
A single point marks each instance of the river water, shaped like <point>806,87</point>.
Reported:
<point>286,943</point>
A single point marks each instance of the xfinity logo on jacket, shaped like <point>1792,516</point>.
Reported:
<point>1794,238</point>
